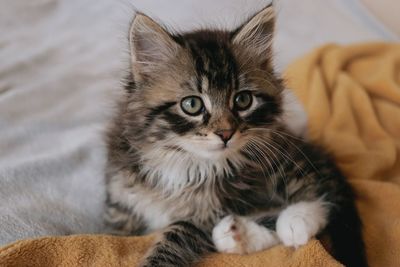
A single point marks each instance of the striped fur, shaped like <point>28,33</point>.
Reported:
<point>179,237</point>
<point>172,172</point>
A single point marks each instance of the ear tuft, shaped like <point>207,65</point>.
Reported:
<point>151,46</point>
<point>255,36</point>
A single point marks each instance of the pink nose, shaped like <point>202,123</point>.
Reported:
<point>225,135</point>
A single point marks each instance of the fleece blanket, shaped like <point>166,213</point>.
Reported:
<point>352,97</point>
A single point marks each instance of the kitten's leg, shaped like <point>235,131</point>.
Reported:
<point>122,222</point>
<point>181,244</point>
<point>241,235</point>
<point>301,221</point>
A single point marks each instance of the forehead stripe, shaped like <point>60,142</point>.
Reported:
<point>204,83</point>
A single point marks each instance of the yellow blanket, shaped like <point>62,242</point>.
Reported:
<point>352,96</point>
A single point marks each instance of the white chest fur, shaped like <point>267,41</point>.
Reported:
<point>158,210</point>
<point>185,188</point>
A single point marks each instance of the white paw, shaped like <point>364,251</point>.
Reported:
<point>301,221</point>
<point>239,235</point>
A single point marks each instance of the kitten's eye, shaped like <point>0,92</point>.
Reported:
<point>192,105</point>
<point>243,100</point>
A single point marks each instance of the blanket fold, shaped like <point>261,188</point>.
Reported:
<point>352,97</point>
<point>98,250</point>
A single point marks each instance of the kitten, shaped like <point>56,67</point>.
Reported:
<point>198,151</point>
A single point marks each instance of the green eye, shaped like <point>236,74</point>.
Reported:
<point>192,105</point>
<point>243,100</point>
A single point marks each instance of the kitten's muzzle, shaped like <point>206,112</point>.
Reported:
<point>225,134</point>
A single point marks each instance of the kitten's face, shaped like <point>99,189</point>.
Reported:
<point>208,93</point>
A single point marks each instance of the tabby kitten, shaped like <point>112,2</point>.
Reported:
<point>198,151</point>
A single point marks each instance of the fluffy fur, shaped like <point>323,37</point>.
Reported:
<point>225,177</point>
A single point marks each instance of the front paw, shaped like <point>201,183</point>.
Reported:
<point>239,235</point>
<point>299,222</point>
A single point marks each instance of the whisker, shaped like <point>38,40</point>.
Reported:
<point>300,151</point>
<point>275,160</point>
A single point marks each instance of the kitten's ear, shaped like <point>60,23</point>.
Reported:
<point>255,36</point>
<point>151,46</point>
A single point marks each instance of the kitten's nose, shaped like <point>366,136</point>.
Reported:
<point>225,135</point>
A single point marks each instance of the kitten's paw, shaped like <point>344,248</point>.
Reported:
<point>300,222</point>
<point>239,235</point>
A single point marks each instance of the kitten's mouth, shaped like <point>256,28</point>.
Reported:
<point>220,147</point>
